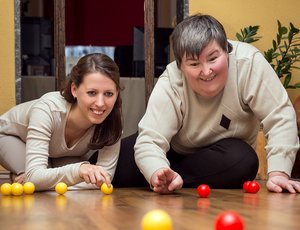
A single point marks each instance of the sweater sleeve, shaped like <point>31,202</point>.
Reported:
<point>108,158</point>
<point>159,124</point>
<point>268,99</point>
<point>37,154</point>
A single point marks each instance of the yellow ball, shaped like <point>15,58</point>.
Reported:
<point>61,188</point>
<point>17,189</point>
<point>107,190</point>
<point>156,220</point>
<point>6,189</point>
<point>28,188</point>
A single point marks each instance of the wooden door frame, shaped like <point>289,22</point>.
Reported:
<point>149,14</point>
<point>182,10</point>
<point>149,47</point>
<point>59,43</point>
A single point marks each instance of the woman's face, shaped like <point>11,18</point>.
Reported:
<point>96,97</point>
<point>207,74</point>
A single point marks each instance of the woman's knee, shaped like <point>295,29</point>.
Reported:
<point>12,154</point>
<point>239,149</point>
<point>243,164</point>
<point>241,153</point>
<point>225,164</point>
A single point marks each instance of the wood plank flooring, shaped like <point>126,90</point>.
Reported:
<point>125,207</point>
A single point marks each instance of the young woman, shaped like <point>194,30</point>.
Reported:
<point>51,139</point>
<point>204,114</point>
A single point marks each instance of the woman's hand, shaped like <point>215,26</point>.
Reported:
<point>21,178</point>
<point>279,181</point>
<point>165,181</point>
<point>94,174</point>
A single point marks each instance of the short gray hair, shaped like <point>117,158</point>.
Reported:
<point>194,33</point>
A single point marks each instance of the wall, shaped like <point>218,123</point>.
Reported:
<point>7,56</point>
<point>237,14</point>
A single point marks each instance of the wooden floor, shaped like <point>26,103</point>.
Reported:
<point>124,209</point>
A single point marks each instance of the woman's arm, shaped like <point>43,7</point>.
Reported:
<point>40,130</point>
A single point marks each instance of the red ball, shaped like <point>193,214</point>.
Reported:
<point>251,187</point>
<point>229,220</point>
<point>246,185</point>
<point>203,190</point>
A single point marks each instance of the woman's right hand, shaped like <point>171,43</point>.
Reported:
<point>94,174</point>
<point>166,181</point>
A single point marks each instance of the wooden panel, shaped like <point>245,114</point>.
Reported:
<point>2,169</point>
<point>59,43</point>
<point>149,48</point>
<point>261,153</point>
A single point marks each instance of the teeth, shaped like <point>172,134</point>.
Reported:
<point>208,79</point>
<point>97,112</point>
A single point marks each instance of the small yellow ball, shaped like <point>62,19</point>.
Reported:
<point>6,189</point>
<point>17,189</point>
<point>156,220</point>
<point>29,188</point>
<point>61,188</point>
<point>107,190</point>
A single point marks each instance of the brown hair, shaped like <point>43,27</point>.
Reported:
<point>110,130</point>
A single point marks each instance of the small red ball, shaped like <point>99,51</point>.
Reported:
<point>246,185</point>
<point>251,187</point>
<point>229,220</point>
<point>203,190</point>
<point>254,187</point>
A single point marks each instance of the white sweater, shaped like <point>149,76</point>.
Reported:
<point>41,124</point>
<point>253,94</point>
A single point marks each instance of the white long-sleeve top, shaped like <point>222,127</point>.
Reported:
<point>253,94</point>
<point>41,124</point>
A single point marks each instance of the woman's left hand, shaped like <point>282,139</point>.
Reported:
<point>279,181</point>
<point>94,174</point>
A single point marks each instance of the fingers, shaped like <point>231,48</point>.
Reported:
<point>94,174</point>
<point>20,178</point>
<point>293,186</point>
<point>166,181</point>
<point>290,188</point>
<point>106,178</point>
<point>296,185</point>
<point>161,190</point>
<point>159,183</point>
<point>176,183</point>
<point>272,187</point>
<point>279,183</point>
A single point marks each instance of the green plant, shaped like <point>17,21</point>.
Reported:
<point>284,55</point>
<point>248,34</point>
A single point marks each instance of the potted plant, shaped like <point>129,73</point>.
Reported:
<point>284,55</point>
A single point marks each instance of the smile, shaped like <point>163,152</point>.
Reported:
<point>208,79</point>
<point>97,112</point>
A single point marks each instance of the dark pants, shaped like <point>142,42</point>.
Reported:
<point>227,163</point>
